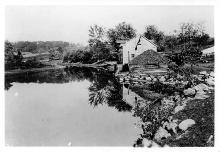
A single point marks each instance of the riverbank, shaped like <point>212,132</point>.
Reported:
<point>175,111</point>
<point>60,65</point>
<point>20,71</point>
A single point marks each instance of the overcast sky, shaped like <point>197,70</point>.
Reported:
<point>71,23</point>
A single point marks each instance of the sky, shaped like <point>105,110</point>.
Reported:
<point>71,23</point>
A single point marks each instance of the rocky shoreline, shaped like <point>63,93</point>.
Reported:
<point>167,98</point>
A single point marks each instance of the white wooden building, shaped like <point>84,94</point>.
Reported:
<point>134,47</point>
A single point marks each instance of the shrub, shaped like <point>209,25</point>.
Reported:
<point>159,87</point>
<point>78,56</point>
<point>31,64</point>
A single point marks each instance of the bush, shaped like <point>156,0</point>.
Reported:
<point>159,87</point>
<point>31,64</point>
<point>177,58</point>
<point>78,56</point>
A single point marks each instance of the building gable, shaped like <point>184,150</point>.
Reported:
<point>136,46</point>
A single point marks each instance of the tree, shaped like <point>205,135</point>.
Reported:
<point>152,33</point>
<point>9,51</point>
<point>122,31</point>
<point>96,34</point>
<point>170,41</point>
<point>12,58</point>
<point>100,51</point>
<point>193,34</point>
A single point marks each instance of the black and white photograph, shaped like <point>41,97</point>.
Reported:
<point>109,76</point>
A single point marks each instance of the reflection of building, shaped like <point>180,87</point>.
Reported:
<point>129,96</point>
<point>134,47</point>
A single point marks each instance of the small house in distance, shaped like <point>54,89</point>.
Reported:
<point>39,56</point>
<point>134,47</point>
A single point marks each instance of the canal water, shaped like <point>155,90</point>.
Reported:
<point>69,107</point>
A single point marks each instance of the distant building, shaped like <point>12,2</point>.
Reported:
<point>134,47</point>
<point>39,56</point>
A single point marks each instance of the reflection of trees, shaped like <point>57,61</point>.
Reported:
<point>106,89</point>
<point>104,86</point>
<point>50,76</point>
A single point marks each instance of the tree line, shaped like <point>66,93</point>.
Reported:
<point>189,39</point>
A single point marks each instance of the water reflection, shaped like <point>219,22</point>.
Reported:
<point>99,89</point>
<point>104,87</point>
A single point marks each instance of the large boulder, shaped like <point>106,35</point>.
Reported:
<point>201,87</point>
<point>201,95</point>
<point>161,133</point>
<point>189,92</point>
<point>185,124</point>
<point>210,81</point>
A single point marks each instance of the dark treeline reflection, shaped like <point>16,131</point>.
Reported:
<point>104,87</point>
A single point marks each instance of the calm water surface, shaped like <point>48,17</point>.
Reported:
<point>76,107</point>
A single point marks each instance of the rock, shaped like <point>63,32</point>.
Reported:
<point>179,108</point>
<point>201,87</point>
<point>185,82</point>
<point>162,79</point>
<point>127,79</point>
<point>161,133</point>
<point>179,76</point>
<point>170,126</point>
<point>212,74</point>
<point>203,73</point>
<point>135,79</point>
<point>210,141</point>
<point>155,145</point>
<point>185,124</point>
<point>155,79</point>
<point>168,102</point>
<point>177,98</point>
<point>200,95</point>
<point>148,78</point>
<point>210,81</point>
<point>186,100</point>
<point>189,92</point>
<point>152,77</point>
<point>146,142</point>
<point>149,143</point>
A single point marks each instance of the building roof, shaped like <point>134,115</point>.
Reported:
<point>151,41</point>
<point>148,57</point>
<point>141,36</point>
